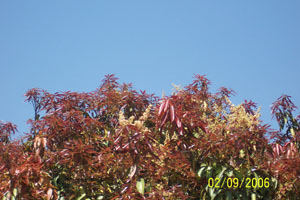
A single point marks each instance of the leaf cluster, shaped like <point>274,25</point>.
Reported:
<point>117,143</point>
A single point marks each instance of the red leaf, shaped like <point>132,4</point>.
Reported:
<point>172,113</point>
<point>277,149</point>
<point>161,108</point>
<point>149,145</point>
<point>49,193</point>
<point>167,105</point>
<point>178,122</point>
<point>165,119</point>
<point>288,153</point>
<point>181,131</point>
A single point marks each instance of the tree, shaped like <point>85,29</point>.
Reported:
<point>117,143</point>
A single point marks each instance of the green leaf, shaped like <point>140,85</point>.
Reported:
<point>285,120</point>
<point>256,176</point>
<point>83,194</point>
<point>292,132</point>
<point>15,192</point>
<point>242,153</point>
<point>209,172</point>
<point>140,185</point>
<point>228,195</point>
<point>81,197</point>
<point>236,174</point>
<point>200,171</point>
<point>55,181</point>
<point>212,193</point>
<point>220,175</point>
<point>203,165</point>
<point>148,188</point>
<point>196,135</point>
<point>230,173</point>
<point>253,196</point>
<point>274,181</point>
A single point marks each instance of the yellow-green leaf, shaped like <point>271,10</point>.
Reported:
<point>292,132</point>
<point>253,196</point>
<point>140,185</point>
<point>242,153</point>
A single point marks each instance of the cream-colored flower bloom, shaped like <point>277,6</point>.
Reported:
<point>137,123</point>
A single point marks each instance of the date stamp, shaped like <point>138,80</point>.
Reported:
<point>229,182</point>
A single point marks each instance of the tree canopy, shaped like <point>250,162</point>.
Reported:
<point>117,143</point>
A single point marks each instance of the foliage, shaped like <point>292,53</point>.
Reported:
<point>117,143</point>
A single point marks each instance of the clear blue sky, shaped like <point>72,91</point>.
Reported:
<point>252,47</point>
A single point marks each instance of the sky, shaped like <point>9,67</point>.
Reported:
<point>252,47</point>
